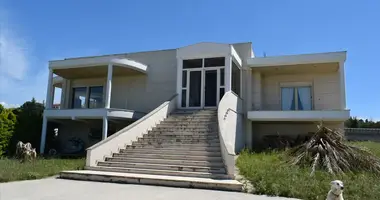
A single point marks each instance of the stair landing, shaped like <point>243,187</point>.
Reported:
<point>147,179</point>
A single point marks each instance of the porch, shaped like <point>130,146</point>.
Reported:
<point>86,85</point>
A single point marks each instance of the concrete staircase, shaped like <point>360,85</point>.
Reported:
<point>186,144</point>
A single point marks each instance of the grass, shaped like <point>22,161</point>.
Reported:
<point>270,175</point>
<point>13,170</point>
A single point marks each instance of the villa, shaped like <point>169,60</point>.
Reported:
<point>185,113</point>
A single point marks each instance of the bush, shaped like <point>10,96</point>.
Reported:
<point>270,174</point>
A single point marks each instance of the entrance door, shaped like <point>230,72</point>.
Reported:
<point>195,87</point>
<point>211,88</point>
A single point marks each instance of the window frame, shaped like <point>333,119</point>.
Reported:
<point>295,86</point>
<point>86,105</point>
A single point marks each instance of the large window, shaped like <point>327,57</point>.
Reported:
<point>79,97</point>
<point>87,97</point>
<point>296,98</point>
<point>95,99</point>
<point>236,78</point>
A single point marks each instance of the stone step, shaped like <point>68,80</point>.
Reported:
<point>184,133</point>
<point>179,136</point>
<point>174,148</point>
<point>167,156</point>
<point>189,168</point>
<point>178,140</point>
<point>166,161</point>
<point>171,152</point>
<point>171,181</point>
<point>186,123</point>
<point>209,112</point>
<point>171,128</point>
<point>177,145</point>
<point>190,118</point>
<point>159,172</point>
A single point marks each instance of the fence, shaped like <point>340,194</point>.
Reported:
<point>362,134</point>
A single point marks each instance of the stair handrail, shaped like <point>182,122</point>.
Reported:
<point>166,108</point>
<point>229,102</point>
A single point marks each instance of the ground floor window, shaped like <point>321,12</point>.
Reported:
<point>296,98</point>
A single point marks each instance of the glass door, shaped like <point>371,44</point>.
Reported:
<point>211,88</point>
<point>195,87</point>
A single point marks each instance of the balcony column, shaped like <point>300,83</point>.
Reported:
<point>105,127</point>
<point>109,86</point>
<point>43,135</point>
<point>342,86</point>
<point>50,91</point>
<point>248,105</point>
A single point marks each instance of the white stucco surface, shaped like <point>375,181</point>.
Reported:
<point>59,189</point>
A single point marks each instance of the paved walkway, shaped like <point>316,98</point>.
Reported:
<point>59,189</point>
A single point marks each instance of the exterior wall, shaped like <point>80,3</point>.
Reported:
<point>135,92</point>
<point>291,129</point>
<point>81,129</point>
<point>325,89</point>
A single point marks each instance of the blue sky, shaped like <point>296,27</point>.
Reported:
<point>33,32</point>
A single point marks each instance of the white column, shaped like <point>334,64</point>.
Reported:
<point>248,104</point>
<point>109,86</point>
<point>105,128</point>
<point>228,73</point>
<point>49,92</point>
<point>257,94</point>
<point>179,82</point>
<point>63,94</point>
<point>342,86</point>
<point>43,135</point>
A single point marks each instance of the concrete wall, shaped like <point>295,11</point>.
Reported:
<point>289,129</point>
<point>81,129</point>
<point>135,92</point>
<point>325,89</point>
<point>362,134</point>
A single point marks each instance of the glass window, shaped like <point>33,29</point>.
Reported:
<point>222,77</point>
<point>79,97</point>
<point>214,62</point>
<point>235,82</point>
<point>184,78</point>
<point>296,98</point>
<point>183,98</point>
<point>194,63</point>
<point>221,93</point>
<point>95,99</point>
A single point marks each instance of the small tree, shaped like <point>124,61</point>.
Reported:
<point>7,126</point>
<point>29,124</point>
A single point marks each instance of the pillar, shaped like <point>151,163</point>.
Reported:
<point>228,73</point>
<point>105,128</point>
<point>50,91</point>
<point>43,135</point>
<point>342,86</point>
<point>109,86</point>
<point>248,107</point>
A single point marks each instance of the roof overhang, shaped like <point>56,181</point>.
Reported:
<point>97,61</point>
<point>330,57</point>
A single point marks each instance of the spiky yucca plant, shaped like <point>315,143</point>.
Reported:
<point>328,150</point>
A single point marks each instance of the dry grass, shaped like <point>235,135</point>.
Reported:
<point>328,151</point>
<point>270,174</point>
<point>13,170</point>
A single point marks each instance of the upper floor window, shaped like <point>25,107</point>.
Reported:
<point>87,97</point>
<point>79,97</point>
<point>203,62</point>
<point>296,98</point>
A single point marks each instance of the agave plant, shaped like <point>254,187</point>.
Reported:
<point>327,150</point>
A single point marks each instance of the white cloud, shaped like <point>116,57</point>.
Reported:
<point>9,105</point>
<point>20,80</point>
